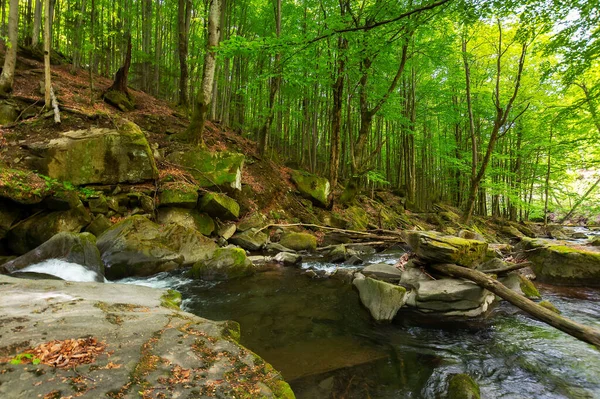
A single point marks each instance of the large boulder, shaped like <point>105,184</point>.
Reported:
<point>311,186</point>
<point>252,240</point>
<point>222,169</point>
<point>190,218</point>
<point>97,156</point>
<point>138,247</point>
<point>39,228</point>
<point>69,247</point>
<point>561,263</point>
<point>383,271</point>
<point>225,264</point>
<point>434,247</point>
<point>382,299</point>
<point>220,206</point>
<point>299,241</point>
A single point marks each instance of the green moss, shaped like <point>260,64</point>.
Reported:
<point>178,194</point>
<point>225,264</point>
<point>299,241</point>
<point>232,330</point>
<point>23,187</point>
<point>219,205</point>
<point>171,299</point>
<point>357,218</point>
<point>462,386</point>
<point>312,186</point>
<point>528,288</point>
<point>548,305</point>
<point>211,169</point>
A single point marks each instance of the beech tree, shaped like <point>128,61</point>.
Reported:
<point>10,58</point>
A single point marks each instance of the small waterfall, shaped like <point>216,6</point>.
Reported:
<point>65,270</point>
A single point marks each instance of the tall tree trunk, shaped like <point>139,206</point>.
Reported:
<point>10,59</point>
<point>184,15</point>
<point>37,23</point>
<point>146,43</point>
<point>122,75</point>
<point>195,132</point>
<point>547,183</point>
<point>47,40</point>
<point>263,134</point>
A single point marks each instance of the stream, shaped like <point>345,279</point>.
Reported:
<point>318,335</point>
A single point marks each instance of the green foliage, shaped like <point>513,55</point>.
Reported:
<point>22,356</point>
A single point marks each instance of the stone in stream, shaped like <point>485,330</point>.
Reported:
<point>69,247</point>
<point>383,271</point>
<point>299,241</point>
<point>382,299</point>
<point>138,247</point>
<point>288,258</point>
<point>146,338</point>
<point>311,186</point>
<point>462,386</point>
<point>96,156</point>
<point>337,254</point>
<point>252,240</point>
<point>224,264</point>
<point>561,263</point>
<point>274,247</point>
<point>434,247</point>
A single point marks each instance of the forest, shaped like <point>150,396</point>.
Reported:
<point>488,106</point>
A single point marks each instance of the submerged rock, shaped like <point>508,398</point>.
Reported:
<point>563,264</point>
<point>69,247</point>
<point>97,156</point>
<point>382,299</point>
<point>225,264</point>
<point>437,248</point>
<point>299,241</point>
<point>312,186</point>
<point>462,386</point>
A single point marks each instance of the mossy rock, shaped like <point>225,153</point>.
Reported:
<point>562,264</point>
<point>225,264</point>
<point>299,241</point>
<point>9,112</point>
<point>550,306</point>
<point>23,187</point>
<point>190,218</point>
<point>171,299</point>
<point>210,169</point>
<point>528,289</point>
<point>255,221</point>
<point>357,218</point>
<point>181,195</point>
<point>313,187</point>
<point>219,205</point>
<point>381,298</point>
<point>462,386</point>
<point>97,156</point>
<point>119,100</point>
<point>99,225</point>
<point>252,240</point>
<point>438,248</point>
<point>98,205</point>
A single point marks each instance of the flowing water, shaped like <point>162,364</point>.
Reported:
<point>318,335</point>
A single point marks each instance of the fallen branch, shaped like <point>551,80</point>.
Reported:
<point>510,268</point>
<point>579,331</point>
<point>395,236</point>
<point>352,244</point>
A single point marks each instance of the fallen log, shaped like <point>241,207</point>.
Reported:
<point>579,331</point>
<point>511,267</point>
<point>379,235</point>
<point>352,244</point>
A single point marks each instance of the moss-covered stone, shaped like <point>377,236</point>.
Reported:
<point>381,298</point>
<point>225,264</point>
<point>178,194</point>
<point>99,225</point>
<point>528,289</point>
<point>190,218</point>
<point>550,306</point>
<point>98,205</point>
<point>313,187</point>
<point>219,205</point>
<point>171,299</point>
<point>252,240</point>
<point>232,330</point>
<point>560,263</point>
<point>9,112</point>
<point>437,248</point>
<point>212,169</point>
<point>97,156</point>
<point>299,241</point>
<point>357,218</point>
<point>462,386</point>
<point>119,100</point>
<point>254,221</point>
<point>23,187</point>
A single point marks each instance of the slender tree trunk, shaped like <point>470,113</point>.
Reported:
<point>274,86</point>
<point>547,185</point>
<point>10,60</point>
<point>580,200</point>
<point>37,23</point>
<point>195,132</point>
<point>47,40</point>
<point>184,14</point>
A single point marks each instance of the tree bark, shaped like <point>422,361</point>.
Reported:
<point>37,23</point>
<point>184,15</point>
<point>120,83</point>
<point>579,331</point>
<point>47,74</point>
<point>10,60</point>
<point>195,132</point>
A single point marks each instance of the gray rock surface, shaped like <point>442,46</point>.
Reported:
<point>288,258</point>
<point>382,299</point>
<point>252,239</point>
<point>153,346</point>
<point>382,271</point>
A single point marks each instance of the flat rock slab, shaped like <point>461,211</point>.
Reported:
<point>151,348</point>
<point>382,299</point>
<point>434,247</point>
<point>382,271</point>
